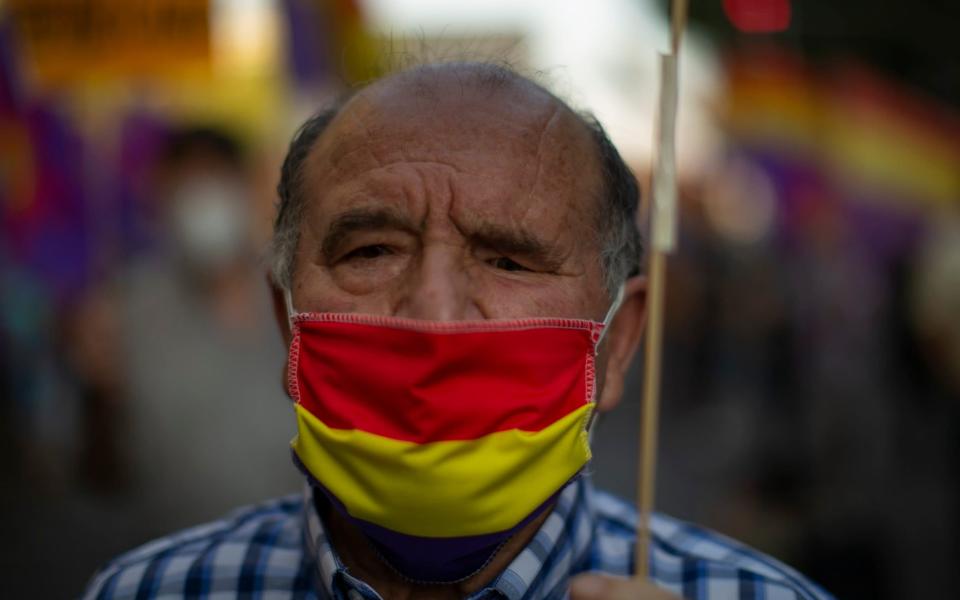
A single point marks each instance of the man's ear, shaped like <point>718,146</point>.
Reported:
<point>622,340</point>
<point>279,309</point>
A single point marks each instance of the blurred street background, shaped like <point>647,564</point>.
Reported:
<point>811,400</point>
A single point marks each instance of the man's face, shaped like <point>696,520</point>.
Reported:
<point>451,203</point>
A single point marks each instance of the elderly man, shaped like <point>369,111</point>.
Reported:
<point>456,273</point>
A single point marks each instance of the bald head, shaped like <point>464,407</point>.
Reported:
<point>504,140</point>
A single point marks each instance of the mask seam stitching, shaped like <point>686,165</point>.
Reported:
<point>590,390</point>
<point>590,372</point>
<point>293,362</point>
<point>449,326</point>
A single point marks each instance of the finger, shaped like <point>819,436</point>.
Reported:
<point>601,587</point>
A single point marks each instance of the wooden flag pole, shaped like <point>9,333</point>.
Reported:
<point>649,418</point>
<point>663,215</point>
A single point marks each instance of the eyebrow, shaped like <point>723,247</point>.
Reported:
<point>510,242</point>
<point>517,243</point>
<point>363,219</point>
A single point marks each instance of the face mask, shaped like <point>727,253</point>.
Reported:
<point>439,440</point>
<point>208,222</point>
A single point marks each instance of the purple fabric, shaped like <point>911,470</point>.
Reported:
<point>883,222</point>
<point>47,232</point>
<point>308,41</point>
<point>130,216</point>
<point>11,86</point>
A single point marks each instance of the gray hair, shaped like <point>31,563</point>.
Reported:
<point>621,249</point>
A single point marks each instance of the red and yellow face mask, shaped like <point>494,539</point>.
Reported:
<point>441,439</point>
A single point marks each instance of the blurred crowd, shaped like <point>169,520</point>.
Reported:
<point>148,398</point>
<point>811,400</point>
<point>812,340</point>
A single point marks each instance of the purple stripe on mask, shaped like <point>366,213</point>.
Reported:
<point>429,559</point>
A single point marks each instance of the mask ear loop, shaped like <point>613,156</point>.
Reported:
<point>291,312</point>
<point>611,313</point>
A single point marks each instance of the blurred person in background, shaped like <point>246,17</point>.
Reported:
<point>935,305</point>
<point>436,233</point>
<point>928,411</point>
<point>195,355</point>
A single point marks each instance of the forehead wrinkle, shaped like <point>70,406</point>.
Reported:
<point>355,131</point>
<point>563,243</point>
<point>562,145</point>
<point>389,185</point>
<point>345,144</point>
<point>565,235</point>
<point>551,119</point>
<point>388,147</point>
<point>387,116</point>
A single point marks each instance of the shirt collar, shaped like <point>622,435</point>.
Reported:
<point>557,549</point>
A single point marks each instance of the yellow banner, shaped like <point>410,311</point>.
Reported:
<point>68,41</point>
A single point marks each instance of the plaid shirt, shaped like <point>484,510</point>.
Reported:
<point>280,550</point>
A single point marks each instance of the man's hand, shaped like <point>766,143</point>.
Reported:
<point>603,587</point>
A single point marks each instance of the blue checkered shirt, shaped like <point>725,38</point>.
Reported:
<point>280,550</point>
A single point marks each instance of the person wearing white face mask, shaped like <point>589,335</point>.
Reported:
<point>197,354</point>
<point>209,223</point>
<point>457,279</point>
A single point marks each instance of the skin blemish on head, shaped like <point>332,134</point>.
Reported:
<point>540,146</point>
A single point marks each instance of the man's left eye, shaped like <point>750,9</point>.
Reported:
<point>507,264</point>
<point>368,252</point>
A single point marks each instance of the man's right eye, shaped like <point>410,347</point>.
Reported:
<point>367,252</point>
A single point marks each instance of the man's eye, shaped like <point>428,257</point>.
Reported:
<point>367,252</point>
<point>507,264</point>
